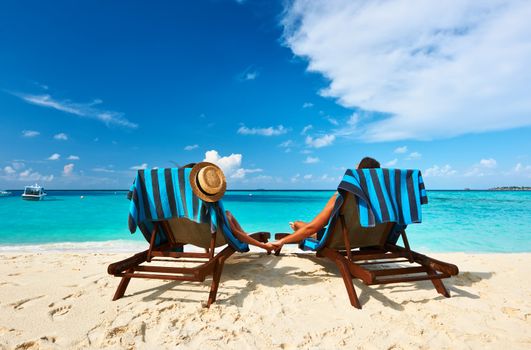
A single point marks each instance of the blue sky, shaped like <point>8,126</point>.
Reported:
<point>280,94</point>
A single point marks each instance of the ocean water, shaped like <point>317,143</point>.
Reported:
<point>453,221</point>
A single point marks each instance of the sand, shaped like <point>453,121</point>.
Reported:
<point>63,301</point>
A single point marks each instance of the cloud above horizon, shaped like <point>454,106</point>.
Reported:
<point>270,131</point>
<point>429,69</point>
<point>86,110</point>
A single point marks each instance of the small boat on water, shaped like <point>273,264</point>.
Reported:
<point>34,193</point>
<point>4,193</point>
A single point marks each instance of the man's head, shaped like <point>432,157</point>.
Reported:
<point>368,162</point>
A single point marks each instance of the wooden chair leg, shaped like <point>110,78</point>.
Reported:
<point>120,291</point>
<point>347,278</point>
<point>439,285</point>
<point>215,283</point>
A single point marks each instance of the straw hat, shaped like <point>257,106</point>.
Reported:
<point>208,181</point>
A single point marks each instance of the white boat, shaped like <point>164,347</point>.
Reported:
<point>34,193</point>
<point>4,193</point>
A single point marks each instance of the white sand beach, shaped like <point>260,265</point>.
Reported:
<point>63,301</point>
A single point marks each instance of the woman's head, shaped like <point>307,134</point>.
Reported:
<point>368,162</point>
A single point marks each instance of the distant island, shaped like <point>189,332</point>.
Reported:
<point>511,188</point>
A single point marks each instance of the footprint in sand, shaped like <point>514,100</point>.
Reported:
<point>59,312</point>
<point>20,304</point>
<point>74,295</point>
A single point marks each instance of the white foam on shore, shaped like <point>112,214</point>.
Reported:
<point>115,246</point>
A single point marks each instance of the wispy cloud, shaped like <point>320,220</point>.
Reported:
<point>103,170</point>
<point>401,150</point>
<point>30,133</point>
<point>466,70</point>
<point>414,155</point>
<point>139,167</point>
<point>311,160</point>
<point>445,170</point>
<point>270,131</point>
<point>250,73</point>
<point>86,110</point>
<point>61,136</point>
<point>307,105</point>
<point>17,172</point>
<point>73,157</point>
<point>306,129</point>
<point>318,142</point>
<point>391,162</point>
<point>191,147</point>
<point>68,169</point>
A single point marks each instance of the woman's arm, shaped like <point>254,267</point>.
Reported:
<point>315,225</point>
<point>241,235</point>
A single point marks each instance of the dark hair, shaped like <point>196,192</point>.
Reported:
<point>368,162</point>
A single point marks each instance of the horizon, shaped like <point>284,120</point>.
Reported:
<point>253,87</point>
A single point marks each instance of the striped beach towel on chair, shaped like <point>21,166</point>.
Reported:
<point>383,195</point>
<point>386,195</point>
<point>162,194</point>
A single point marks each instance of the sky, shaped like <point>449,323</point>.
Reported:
<point>280,94</point>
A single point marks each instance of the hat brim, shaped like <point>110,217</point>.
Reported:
<point>197,189</point>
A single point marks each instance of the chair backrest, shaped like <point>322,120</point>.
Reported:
<point>358,236</point>
<point>187,231</point>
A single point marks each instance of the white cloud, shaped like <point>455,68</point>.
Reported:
<point>72,157</point>
<point>401,150</point>
<point>61,136</point>
<point>318,142</point>
<point>270,131</point>
<point>104,170</point>
<point>241,172</point>
<point>228,164</point>
<point>391,162</point>
<point>414,155</point>
<point>250,73</point>
<point>286,144</point>
<point>435,170</point>
<point>30,133</point>
<point>435,68</point>
<point>307,105</point>
<point>231,165</point>
<point>482,168</point>
<point>332,121</point>
<point>488,163</point>
<point>139,167</point>
<point>54,156</point>
<point>295,178</point>
<point>9,170</point>
<point>87,110</point>
<point>27,175</point>
<point>191,147</point>
<point>307,177</point>
<point>311,160</point>
<point>68,169</point>
<point>306,129</point>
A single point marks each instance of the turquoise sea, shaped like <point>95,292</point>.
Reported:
<point>469,221</point>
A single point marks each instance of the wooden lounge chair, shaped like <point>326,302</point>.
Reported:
<point>371,253</point>
<point>171,216</point>
<point>178,233</point>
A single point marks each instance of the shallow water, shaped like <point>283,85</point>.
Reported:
<point>473,221</point>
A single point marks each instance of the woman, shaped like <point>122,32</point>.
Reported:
<point>303,230</point>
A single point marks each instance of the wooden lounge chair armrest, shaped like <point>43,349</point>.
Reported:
<point>123,265</point>
<point>261,236</point>
<point>281,235</point>
<point>422,259</point>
